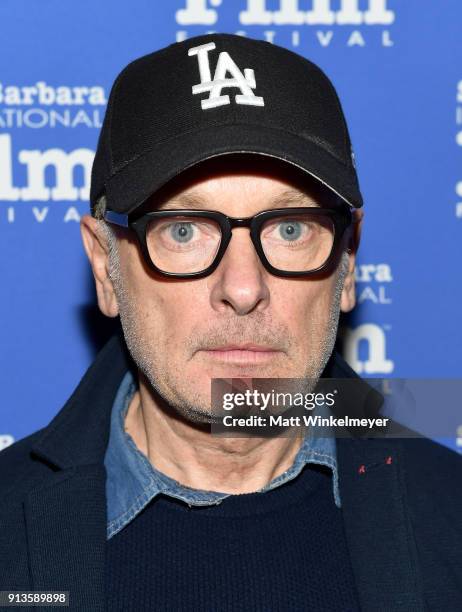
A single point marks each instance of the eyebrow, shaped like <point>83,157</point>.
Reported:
<point>193,201</point>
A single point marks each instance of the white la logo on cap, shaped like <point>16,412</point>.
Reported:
<point>245,82</point>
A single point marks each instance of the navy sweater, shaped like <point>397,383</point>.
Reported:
<point>280,550</point>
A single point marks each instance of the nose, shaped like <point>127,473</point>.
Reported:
<point>239,282</point>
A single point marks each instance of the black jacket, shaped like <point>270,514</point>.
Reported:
<point>403,519</point>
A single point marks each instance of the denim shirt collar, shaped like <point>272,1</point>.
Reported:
<point>132,481</point>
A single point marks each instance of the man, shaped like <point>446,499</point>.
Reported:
<point>226,218</point>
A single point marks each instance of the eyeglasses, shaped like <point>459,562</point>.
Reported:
<point>290,242</point>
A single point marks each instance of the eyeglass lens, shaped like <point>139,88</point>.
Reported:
<point>298,242</point>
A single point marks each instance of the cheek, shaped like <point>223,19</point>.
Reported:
<point>166,310</point>
<point>305,305</point>
<point>143,300</point>
<point>320,303</point>
<point>176,310</point>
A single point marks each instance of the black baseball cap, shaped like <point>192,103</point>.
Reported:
<point>213,95</point>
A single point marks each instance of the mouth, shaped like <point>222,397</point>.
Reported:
<point>242,354</point>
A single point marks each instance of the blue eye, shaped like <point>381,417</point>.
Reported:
<point>181,232</point>
<point>290,230</point>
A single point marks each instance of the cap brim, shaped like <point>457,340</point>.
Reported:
<point>135,182</point>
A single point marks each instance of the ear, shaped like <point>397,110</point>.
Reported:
<point>97,250</point>
<point>348,299</point>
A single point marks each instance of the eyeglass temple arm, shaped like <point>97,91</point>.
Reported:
<point>120,219</point>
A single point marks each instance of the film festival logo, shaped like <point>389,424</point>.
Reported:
<point>5,441</point>
<point>365,346</point>
<point>295,24</point>
<point>25,175</point>
<point>459,143</point>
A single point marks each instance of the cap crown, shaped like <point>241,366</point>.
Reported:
<point>206,85</point>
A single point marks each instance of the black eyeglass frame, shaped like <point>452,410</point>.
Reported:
<point>341,219</point>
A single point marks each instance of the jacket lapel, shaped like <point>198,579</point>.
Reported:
<point>377,526</point>
<point>374,507</point>
<point>66,514</point>
<point>66,527</point>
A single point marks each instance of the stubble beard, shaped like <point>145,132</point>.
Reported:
<point>160,373</point>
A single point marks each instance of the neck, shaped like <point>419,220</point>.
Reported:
<point>197,459</point>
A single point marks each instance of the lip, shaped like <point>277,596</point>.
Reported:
<point>242,354</point>
<point>248,346</point>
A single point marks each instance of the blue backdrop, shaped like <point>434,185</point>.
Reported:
<point>397,66</point>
